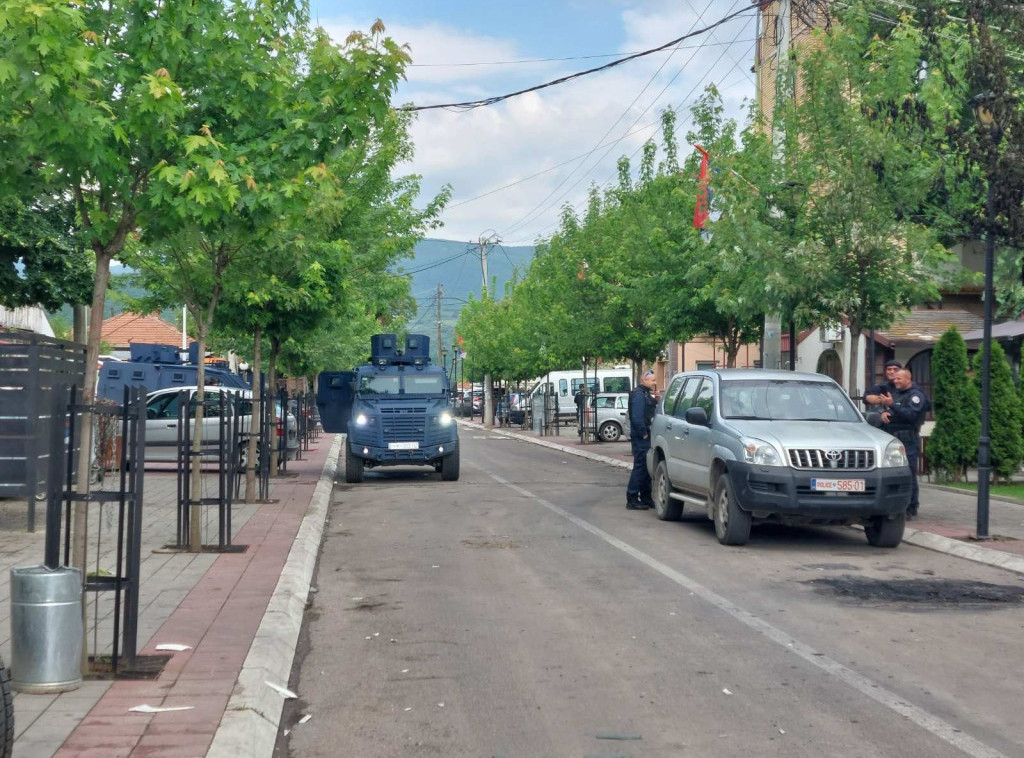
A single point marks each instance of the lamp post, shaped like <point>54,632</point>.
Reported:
<point>984,110</point>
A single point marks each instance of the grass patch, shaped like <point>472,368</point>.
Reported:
<point>1005,490</point>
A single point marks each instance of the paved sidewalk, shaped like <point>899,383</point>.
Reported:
<point>947,521</point>
<point>212,602</point>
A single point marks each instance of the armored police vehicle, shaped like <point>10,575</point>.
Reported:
<point>396,410</point>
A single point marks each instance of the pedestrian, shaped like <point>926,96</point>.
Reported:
<point>873,397</point>
<point>581,399</point>
<point>641,414</point>
<point>906,408</point>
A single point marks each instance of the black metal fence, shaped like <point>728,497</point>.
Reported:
<point>33,370</point>
<point>114,559</point>
<point>223,440</point>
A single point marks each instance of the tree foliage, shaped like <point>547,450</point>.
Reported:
<point>953,444</point>
<point>1007,441</point>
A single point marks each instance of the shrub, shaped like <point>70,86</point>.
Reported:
<point>953,444</point>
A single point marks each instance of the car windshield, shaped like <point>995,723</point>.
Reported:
<point>785,400</point>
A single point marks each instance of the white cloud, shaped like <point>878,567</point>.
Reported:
<point>483,149</point>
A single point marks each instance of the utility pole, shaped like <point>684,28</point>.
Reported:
<point>771,355</point>
<point>488,380</point>
<point>439,292</point>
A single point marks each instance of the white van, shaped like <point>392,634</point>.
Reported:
<point>564,384</point>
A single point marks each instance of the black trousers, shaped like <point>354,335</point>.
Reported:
<point>913,453</point>
<point>639,480</point>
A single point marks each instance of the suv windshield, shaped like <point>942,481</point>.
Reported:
<point>376,384</point>
<point>424,384</point>
<point>787,400</point>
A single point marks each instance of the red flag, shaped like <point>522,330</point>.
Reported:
<point>700,210</point>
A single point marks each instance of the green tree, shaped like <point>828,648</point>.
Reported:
<point>42,262</point>
<point>953,444</point>
<point>1006,417</point>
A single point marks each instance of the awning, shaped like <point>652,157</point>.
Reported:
<point>1006,330</point>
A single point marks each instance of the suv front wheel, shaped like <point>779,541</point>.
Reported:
<point>883,531</point>
<point>732,523</point>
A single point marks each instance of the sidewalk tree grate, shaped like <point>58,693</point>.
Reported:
<point>145,667</point>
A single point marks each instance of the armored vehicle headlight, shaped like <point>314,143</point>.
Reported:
<point>760,453</point>
<point>895,455</point>
<point>445,419</point>
<point>361,420</point>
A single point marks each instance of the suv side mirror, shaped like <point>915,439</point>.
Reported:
<point>874,418</point>
<point>696,416</point>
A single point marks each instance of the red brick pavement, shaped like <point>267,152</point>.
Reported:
<point>219,619</point>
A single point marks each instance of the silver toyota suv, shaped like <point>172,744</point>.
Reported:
<point>751,446</point>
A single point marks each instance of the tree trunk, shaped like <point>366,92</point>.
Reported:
<point>275,347</point>
<point>255,421</point>
<point>488,404</point>
<point>854,388</point>
<point>195,524</point>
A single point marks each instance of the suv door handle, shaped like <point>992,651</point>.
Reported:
<point>172,426</point>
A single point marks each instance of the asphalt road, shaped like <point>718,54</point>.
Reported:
<point>522,611</point>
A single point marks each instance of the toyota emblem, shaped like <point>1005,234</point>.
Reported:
<point>833,455</point>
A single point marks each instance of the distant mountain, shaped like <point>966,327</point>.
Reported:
<point>453,265</point>
<point>456,267</point>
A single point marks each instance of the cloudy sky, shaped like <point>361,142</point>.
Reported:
<point>551,145</point>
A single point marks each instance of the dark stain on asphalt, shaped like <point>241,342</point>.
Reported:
<point>501,543</point>
<point>832,567</point>
<point>921,593</point>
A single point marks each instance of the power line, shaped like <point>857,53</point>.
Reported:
<point>471,104</point>
<point>525,219</point>
<point>543,60</point>
<point>687,97</point>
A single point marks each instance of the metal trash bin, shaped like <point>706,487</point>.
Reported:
<point>46,629</point>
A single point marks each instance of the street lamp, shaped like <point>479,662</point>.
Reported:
<point>987,113</point>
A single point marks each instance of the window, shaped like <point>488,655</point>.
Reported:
<point>604,402</point>
<point>616,384</point>
<point>563,388</point>
<point>138,374</point>
<point>178,376</point>
<point>686,397</point>
<point>591,384</point>
<point>375,384</point>
<point>163,407</point>
<point>424,385</point>
<point>622,402</point>
<point>672,394</point>
<point>705,365</point>
<point>705,397</point>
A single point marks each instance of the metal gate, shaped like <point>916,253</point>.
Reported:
<point>117,456</point>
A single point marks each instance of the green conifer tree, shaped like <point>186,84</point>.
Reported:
<point>1004,414</point>
<point>953,444</point>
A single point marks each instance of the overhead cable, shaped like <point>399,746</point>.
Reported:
<point>471,104</point>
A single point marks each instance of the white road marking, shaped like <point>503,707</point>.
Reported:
<point>933,724</point>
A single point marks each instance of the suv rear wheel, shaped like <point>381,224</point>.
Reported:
<point>883,531</point>
<point>732,523</point>
<point>665,508</point>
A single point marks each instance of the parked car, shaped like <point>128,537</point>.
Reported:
<point>612,409</point>
<point>751,446</point>
<point>162,420</point>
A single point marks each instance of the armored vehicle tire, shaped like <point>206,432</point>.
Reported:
<point>6,713</point>
<point>450,467</point>
<point>665,508</point>
<point>883,531</point>
<point>353,467</point>
<point>732,523</point>
<point>609,432</point>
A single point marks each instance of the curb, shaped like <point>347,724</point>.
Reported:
<point>972,493</point>
<point>253,715</point>
<point>915,537</point>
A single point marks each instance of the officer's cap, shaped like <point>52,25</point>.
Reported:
<point>895,363</point>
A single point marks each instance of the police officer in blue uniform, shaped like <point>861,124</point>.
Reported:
<point>641,413</point>
<point>873,397</point>
<point>905,409</point>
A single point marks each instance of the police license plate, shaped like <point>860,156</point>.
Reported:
<point>837,485</point>
<point>403,446</point>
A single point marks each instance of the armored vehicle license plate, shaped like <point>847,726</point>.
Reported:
<point>837,485</point>
<point>403,446</point>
